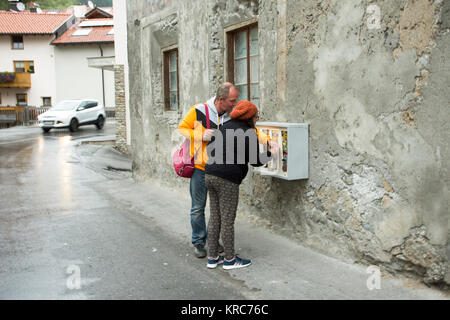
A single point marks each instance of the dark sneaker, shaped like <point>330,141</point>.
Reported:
<point>236,263</point>
<point>200,251</point>
<point>213,263</point>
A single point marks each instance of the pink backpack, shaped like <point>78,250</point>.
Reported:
<point>182,161</point>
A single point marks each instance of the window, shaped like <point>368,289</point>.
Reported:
<point>24,66</point>
<point>17,42</point>
<point>21,99</point>
<point>91,104</point>
<point>30,68</point>
<point>87,105</point>
<point>171,93</point>
<point>243,62</point>
<point>19,66</point>
<point>83,106</point>
<point>47,101</point>
<point>96,23</point>
<point>82,32</point>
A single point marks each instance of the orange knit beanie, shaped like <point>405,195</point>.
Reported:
<point>244,110</point>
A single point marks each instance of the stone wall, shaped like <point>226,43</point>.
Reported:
<point>370,77</point>
<point>119,115</point>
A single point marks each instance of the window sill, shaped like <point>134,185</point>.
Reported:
<point>171,113</point>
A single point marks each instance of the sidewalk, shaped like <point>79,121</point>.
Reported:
<point>281,268</point>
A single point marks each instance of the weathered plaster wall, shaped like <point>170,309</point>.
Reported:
<point>153,27</point>
<point>377,101</point>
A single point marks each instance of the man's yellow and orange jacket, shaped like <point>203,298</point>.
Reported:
<point>194,124</point>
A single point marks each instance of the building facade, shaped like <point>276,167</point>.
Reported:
<point>371,80</point>
<point>26,51</point>
<point>48,55</point>
<point>91,37</point>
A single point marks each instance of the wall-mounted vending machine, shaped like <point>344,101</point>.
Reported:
<point>292,160</point>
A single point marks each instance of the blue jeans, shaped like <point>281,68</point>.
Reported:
<point>198,202</point>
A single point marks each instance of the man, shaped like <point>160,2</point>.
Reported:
<point>194,123</point>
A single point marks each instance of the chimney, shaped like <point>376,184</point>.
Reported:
<point>79,10</point>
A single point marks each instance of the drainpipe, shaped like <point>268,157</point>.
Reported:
<point>103,76</point>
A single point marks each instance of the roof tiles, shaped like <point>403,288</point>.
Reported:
<point>30,23</point>
<point>98,34</point>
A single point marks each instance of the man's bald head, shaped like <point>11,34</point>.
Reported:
<point>226,97</point>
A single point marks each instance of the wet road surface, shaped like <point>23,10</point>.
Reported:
<point>62,239</point>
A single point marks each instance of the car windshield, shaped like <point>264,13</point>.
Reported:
<point>65,105</point>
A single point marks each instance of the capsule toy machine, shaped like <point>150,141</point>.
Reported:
<point>292,160</point>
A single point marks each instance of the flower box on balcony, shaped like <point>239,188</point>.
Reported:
<point>19,80</point>
<point>6,77</point>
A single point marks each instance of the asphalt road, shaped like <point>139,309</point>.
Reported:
<point>74,224</point>
<point>62,239</point>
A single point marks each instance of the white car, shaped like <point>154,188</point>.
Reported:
<point>72,114</point>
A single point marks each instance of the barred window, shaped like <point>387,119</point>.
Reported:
<point>19,66</point>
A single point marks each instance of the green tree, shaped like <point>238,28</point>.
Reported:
<point>56,4</point>
<point>4,5</point>
<point>99,3</point>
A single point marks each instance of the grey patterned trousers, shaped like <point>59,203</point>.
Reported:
<point>223,202</point>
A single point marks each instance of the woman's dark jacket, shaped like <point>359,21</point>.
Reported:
<point>243,151</point>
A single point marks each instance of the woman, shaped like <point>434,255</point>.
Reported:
<point>223,177</point>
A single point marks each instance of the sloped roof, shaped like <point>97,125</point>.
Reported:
<point>98,13</point>
<point>30,23</point>
<point>98,33</point>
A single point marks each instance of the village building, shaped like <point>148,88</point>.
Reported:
<point>370,79</point>
<point>47,55</point>
<point>90,38</point>
<point>27,55</point>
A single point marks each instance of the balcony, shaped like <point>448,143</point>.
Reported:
<point>21,80</point>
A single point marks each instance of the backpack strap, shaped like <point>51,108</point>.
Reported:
<point>207,123</point>
<point>207,115</point>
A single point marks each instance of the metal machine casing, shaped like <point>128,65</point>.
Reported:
<point>292,161</point>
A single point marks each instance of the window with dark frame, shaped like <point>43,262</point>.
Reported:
<point>243,62</point>
<point>24,66</point>
<point>47,101</point>
<point>17,42</point>
<point>21,99</point>
<point>19,66</point>
<point>171,81</point>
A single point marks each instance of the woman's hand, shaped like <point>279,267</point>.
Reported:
<point>207,135</point>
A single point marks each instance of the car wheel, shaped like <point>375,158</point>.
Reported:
<point>73,125</point>
<point>46,129</point>
<point>100,122</point>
